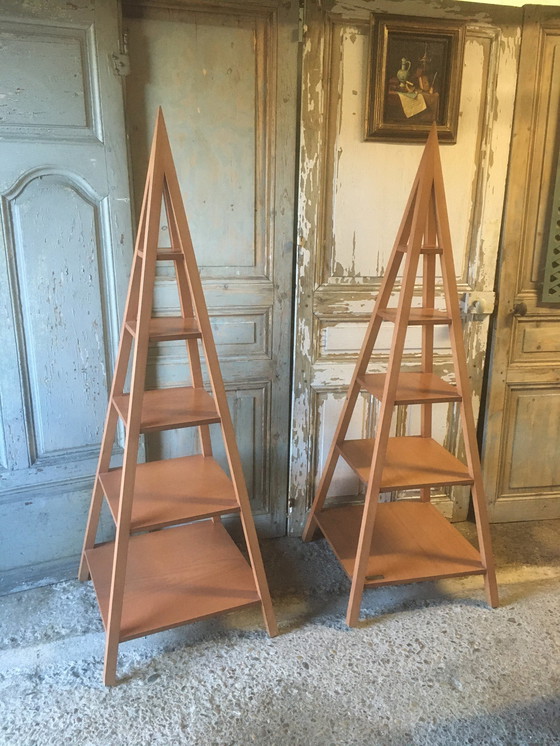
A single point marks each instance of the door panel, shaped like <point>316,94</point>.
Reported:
<point>352,195</point>
<point>226,77</point>
<point>65,249</point>
<point>521,465</point>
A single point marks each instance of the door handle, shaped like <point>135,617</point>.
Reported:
<point>520,309</point>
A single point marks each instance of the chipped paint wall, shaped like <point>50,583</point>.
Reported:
<point>352,194</point>
<point>65,251</point>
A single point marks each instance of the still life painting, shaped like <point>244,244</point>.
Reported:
<point>415,78</point>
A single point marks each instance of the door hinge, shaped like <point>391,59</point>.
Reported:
<point>121,63</point>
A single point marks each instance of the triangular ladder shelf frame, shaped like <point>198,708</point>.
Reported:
<point>118,569</point>
<point>373,542</point>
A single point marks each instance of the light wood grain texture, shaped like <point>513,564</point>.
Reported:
<point>175,576</point>
<point>167,409</point>
<point>168,328</point>
<point>411,541</point>
<point>520,447</point>
<point>412,388</point>
<point>409,462</point>
<point>401,542</point>
<point>173,491</point>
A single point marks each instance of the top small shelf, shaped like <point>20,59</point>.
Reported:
<point>168,409</point>
<point>417,316</point>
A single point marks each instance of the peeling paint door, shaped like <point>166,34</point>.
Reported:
<point>225,74</point>
<point>65,252</point>
<point>352,196</point>
<point>521,459</point>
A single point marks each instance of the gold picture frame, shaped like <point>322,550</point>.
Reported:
<point>415,72</point>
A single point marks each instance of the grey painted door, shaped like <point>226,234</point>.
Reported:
<point>225,74</point>
<point>65,251</point>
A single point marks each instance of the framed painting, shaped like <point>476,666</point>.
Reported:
<point>415,71</point>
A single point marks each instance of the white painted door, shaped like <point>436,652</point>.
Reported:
<point>65,251</point>
<point>521,454</point>
<point>352,196</point>
<point>225,74</point>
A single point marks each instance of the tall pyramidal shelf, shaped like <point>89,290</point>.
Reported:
<point>148,580</point>
<point>408,540</point>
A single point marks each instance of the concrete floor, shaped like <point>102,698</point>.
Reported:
<point>431,664</point>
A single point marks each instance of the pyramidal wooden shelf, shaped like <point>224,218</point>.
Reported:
<point>166,566</point>
<point>408,540</point>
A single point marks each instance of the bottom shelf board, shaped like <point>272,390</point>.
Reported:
<point>412,541</point>
<point>175,576</point>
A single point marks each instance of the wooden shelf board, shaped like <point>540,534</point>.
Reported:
<point>173,491</point>
<point>412,541</point>
<point>412,388</point>
<point>175,576</point>
<point>418,316</point>
<point>410,462</point>
<point>167,328</point>
<point>167,409</point>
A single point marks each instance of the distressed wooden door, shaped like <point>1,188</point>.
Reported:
<point>65,249</point>
<point>352,195</point>
<point>225,74</point>
<point>521,454</point>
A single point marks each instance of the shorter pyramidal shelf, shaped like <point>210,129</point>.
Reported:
<point>172,560</point>
<point>408,540</point>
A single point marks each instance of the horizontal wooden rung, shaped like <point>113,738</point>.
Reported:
<point>424,249</point>
<point>168,409</point>
<point>412,388</point>
<point>412,541</point>
<point>418,316</point>
<point>166,328</point>
<point>410,462</point>
<point>174,576</point>
<point>173,491</point>
<point>165,255</point>
<point>169,255</point>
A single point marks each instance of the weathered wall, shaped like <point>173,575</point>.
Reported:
<point>65,251</point>
<point>352,194</point>
<point>226,76</point>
